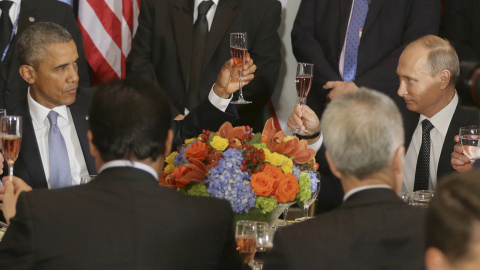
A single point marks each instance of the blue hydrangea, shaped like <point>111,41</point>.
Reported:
<point>227,181</point>
<point>296,171</point>
<point>180,158</point>
<point>314,180</point>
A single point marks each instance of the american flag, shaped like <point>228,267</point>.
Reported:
<point>107,27</point>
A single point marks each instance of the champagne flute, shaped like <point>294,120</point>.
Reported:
<point>3,112</point>
<point>303,83</point>
<point>238,49</point>
<point>246,238</point>
<point>11,139</point>
<point>469,138</point>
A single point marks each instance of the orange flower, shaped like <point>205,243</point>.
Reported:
<point>213,158</point>
<point>198,150</point>
<point>262,184</point>
<point>167,180</point>
<point>287,189</point>
<point>273,171</point>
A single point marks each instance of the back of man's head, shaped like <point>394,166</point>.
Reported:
<point>130,119</point>
<point>362,132</point>
<point>33,43</point>
<point>453,223</point>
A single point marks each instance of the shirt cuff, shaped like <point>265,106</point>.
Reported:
<point>218,102</point>
<point>318,144</point>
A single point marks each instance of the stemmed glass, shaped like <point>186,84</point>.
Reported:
<point>11,139</point>
<point>303,83</point>
<point>264,244</point>
<point>469,137</point>
<point>246,238</point>
<point>238,49</point>
<point>315,190</point>
<point>3,112</point>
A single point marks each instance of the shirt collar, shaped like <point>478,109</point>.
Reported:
<point>39,112</point>
<point>358,189</point>
<point>197,3</point>
<point>441,120</point>
<point>15,2</point>
<point>129,163</point>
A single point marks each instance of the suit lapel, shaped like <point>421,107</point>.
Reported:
<point>373,10</point>
<point>224,16</point>
<point>183,28</point>
<point>29,152</point>
<point>80,119</point>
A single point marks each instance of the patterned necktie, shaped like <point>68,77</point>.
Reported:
<point>359,13</point>
<point>422,173</point>
<point>200,35</point>
<point>6,25</point>
<point>60,175</point>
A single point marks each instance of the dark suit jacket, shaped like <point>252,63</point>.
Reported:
<point>319,32</point>
<point>461,26</point>
<point>162,46</point>
<point>13,89</point>
<point>121,220</point>
<point>29,164</point>
<point>373,229</point>
<point>463,116</point>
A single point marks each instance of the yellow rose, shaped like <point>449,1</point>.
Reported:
<point>169,168</point>
<point>276,159</point>
<point>189,140</point>
<point>171,158</point>
<point>219,143</point>
<point>287,167</point>
<point>267,154</point>
<point>287,138</point>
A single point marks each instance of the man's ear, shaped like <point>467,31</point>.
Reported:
<point>93,149</point>
<point>28,73</point>
<point>436,260</point>
<point>398,161</point>
<point>445,77</point>
<point>332,166</point>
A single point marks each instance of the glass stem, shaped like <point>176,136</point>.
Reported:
<point>10,170</point>
<point>285,212</point>
<point>240,95</point>
<point>305,211</point>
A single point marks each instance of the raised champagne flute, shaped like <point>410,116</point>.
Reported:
<point>303,82</point>
<point>469,138</point>
<point>11,139</point>
<point>3,112</point>
<point>238,49</point>
<point>246,238</point>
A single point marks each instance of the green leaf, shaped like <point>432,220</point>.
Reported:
<point>256,138</point>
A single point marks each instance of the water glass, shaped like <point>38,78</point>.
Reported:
<point>421,198</point>
<point>469,138</point>
<point>86,179</point>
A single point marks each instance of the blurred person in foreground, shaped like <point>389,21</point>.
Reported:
<point>373,228</point>
<point>122,219</point>
<point>453,224</point>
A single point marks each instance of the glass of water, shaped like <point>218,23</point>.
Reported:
<point>469,137</point>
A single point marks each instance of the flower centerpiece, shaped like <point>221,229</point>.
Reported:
<point>254,172</point>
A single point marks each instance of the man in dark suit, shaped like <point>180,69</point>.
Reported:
<point>13,89</point>
<point>162,50</point>
<point>319,36</point>
<point>49,64</point>
<point>122,219</point>
<point>428,70</point>
<point>373,228</point>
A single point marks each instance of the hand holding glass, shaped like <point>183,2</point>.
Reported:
<point>303,83</point>
<point>238,49</point>
<point>469,138</point>
<point>11,139</point>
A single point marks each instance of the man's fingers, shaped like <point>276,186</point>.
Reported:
<point>458,149</point>
<point>330,85</point>
<point>456,138</point>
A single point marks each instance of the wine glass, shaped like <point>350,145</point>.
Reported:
<point>421,198</point>
<point>246,238</point>
<point>315,189</point>
<point>3,229</point>
<point>264,244</point>
<point>469,137</point>
<point>303,82</point>
<point>238,49</point>
<point>86,179</point>
<point>11,139</point>
<point>3,112</point>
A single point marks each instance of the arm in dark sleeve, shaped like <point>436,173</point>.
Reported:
<point>205,116</point>
<point>139,60</point>
<point>423,19</point>
<point>277,259</point>
<point>17,246</point>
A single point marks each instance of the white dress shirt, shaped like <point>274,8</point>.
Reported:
<point>210,13</point>
<point>441,122</point>
<point>14,10</point>
<point>129,163</point>
<point>358,189</point>
<point>41,126</point>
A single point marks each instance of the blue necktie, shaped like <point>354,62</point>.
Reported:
<point>60,175</point>
<point>359,13</point>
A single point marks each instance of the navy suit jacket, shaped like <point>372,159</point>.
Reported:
<point>13,89</point>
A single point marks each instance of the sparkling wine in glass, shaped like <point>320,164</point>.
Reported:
<point>246,238</point>
<point>238,49</point>
<point>11,139</point>
<point>3,112</point>
<point>469,139</point>
<point>264,244</point>
<point>303,82</point>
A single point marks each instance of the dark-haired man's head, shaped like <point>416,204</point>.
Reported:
<point>453,224</point>
<point>48,58</point>
<point>130,120</point>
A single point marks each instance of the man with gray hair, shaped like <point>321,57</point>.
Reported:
<point>373,228</point>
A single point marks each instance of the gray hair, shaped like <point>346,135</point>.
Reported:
<point>441,56</point>
<point>362,131</point>
<point>32,44</point>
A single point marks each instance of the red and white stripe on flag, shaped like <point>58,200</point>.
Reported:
<point>107,27</point>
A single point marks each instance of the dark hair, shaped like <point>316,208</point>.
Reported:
<point>129,119</point>
<point>453,215</point>
<point>33,42</point>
